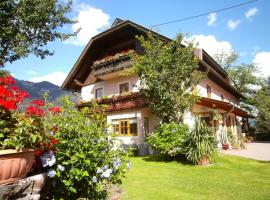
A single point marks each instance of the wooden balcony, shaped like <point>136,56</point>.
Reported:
<point>118,103</point>
<point>110,69</point>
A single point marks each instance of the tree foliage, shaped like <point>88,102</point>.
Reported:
<point>226,60</point>
<point>262,102</point>
<point>167,71</point>
<point>243,77</point>
<point>28,25</point>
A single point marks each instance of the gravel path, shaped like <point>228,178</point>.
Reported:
<point>254,150</point>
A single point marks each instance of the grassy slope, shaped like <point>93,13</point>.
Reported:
<point>229,178</point>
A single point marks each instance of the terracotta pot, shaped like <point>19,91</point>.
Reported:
<point>204,161</point>
<point>15,165</point>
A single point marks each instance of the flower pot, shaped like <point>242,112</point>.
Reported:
<point>204,161</point>
<point>225,146</point>
<point>15,165</point>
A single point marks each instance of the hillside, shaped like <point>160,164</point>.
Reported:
<point>37,89</point>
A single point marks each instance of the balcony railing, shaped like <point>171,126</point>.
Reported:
<point>121,102</point>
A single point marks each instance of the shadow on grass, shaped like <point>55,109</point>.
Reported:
<point>264,161</point>
<point>162,158</point>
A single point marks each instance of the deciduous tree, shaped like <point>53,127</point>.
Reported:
<point>27,26</point>
<point>167,71</point>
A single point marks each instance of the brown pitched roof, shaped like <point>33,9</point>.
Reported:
<point>74,79</point>
<point>117,25</point>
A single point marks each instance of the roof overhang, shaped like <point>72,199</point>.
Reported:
<point>227,106</point>
<point>113,31</point>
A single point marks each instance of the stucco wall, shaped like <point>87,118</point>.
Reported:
<point>216,91</point>
<point>110,87</point>
<point>139,114</point>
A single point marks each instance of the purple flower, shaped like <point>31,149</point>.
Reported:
<point>51,173</point>
<point>99,170</point>
<point>117,163</point>
<point>60,167</point>
<point>48,159</point>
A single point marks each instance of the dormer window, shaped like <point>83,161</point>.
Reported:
<point>98,93</point>
<point>123,87</point>
<point>208,91</point>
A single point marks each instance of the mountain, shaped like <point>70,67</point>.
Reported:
<point>36,90</point>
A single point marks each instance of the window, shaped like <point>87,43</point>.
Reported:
<point>125,127</point>
<point>208,91</point>
<point>146,126</point>
<point>123,87</point>
<point>98,93</point>
<point>194,90</point>
<point>222,97</point>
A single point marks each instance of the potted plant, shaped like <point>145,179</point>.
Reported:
<point>21,133</point>
<point>225,146</point>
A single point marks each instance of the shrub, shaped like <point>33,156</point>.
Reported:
<point>88,159</point>
<point>169,138</point>
<point>200,143</point>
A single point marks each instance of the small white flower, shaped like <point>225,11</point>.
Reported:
<point>94,179</point>
<point>99,170</point>
<point>51,173</point>
<point>105,167</point>
<point>51,133</point>
<point>128,165</point>
<point>60,167</point>
<point>107,173</point>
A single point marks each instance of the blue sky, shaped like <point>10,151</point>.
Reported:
<point>244,29</point>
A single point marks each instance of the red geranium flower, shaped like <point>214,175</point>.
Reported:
<point>38,152</point>
<point>55,110</point>
<point>38,102</point>
<point>35,111</point>
<point>55,129</point>
<point>54,141</point>
<point>10,95</point>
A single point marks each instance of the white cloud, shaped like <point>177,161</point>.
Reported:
<point>211,44</point>
<point>90,22</point>
<point>255,50</point>
<point>262,60</point>
<point>56,78</point>
<point>212,17</point>
<point>233,24</point>
<point>243,53</point>
<point>251,12</point>
<point>31,72</point>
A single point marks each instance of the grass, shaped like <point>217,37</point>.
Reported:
<point>230,177</point>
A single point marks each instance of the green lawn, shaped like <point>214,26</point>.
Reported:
<point>229,178</point>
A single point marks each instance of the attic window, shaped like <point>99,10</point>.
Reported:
<point>123,87</point>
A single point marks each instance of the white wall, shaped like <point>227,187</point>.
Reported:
<point>110,87</point>
<point>139,114</point>
<point>216,91</point>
